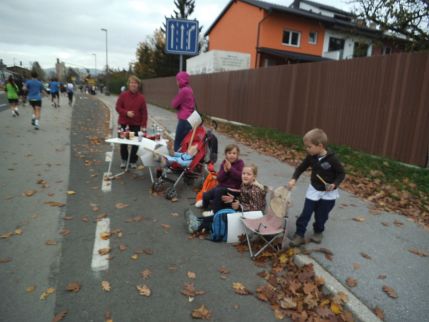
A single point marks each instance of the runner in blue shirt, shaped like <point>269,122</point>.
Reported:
<point>54,87</point>
<point>35,88</point>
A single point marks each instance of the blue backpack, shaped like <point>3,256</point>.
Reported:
<point>220,224</point>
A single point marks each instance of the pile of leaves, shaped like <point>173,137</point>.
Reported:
<point>389,185</point>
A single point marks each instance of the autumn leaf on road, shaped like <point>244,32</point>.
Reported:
<point>18,231</point>
<point>46,293</point>
<point>191,275</point>
<point>6,235</point>
<point>65,232</point>
<point>60,316</point>
<point>356,266</point>
<point>165,227</point>
<point>121,205</point>
<point>123,247</point>
<point>55,203</point>
<point>29,193</point>
<point>351,282</point>
<point>365,255</point>
<point>223,270</point>
<point>201,313</point>
<point>5,260</point>
<point>379,313</point>
<point>146,274</point>
<point>30,289</point>
<point>73,287</point>
<point>240,289</point>
<point>71,192</point>
<point>148,251</point>
<point>104,251</point>
<point>390,292</point>
<point>189,290</point>
<point>417,252</point>
<point>135,257</point>
<point>105,235</point>
<point>144,290</point>
<point>105,286</point>
<point>51,242</point>
<point>359,219</point>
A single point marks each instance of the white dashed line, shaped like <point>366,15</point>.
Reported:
<point>100,262</point>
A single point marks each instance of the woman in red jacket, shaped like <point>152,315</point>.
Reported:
<point>132,110</point>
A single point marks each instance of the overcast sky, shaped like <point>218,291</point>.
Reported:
<point>43,30</point>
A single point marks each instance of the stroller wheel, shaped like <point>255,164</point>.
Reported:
<point>170,193</point>
<point>157,186</point>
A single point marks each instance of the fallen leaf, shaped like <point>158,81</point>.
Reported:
<point>30,193</point>
<point>192,275</point>
<point>148,251</point>
<point>105,286</point>
<point>379,313</point>
<point>60,316</point>
<point>64,232</point>
<point>51,242</point>
<point>356,266</point>
<point>6,235</point>
<point>104,251</point>
<point>121,205</point>
<point>5,260</point>
<point>335,308</point>
<point>359,219</point>
<point>365,255</point>
<point>30,289</point>
<point>46,293</point>
<point>390,292</point>
<point>386,224</point>
<point>382,276</point>
<point>55,203</point>
<point>123,247</point>
<point>144,290</point>
<point>288,303</point>
<point>240,289</point>
<point>85,219</point>
<point>417,252</point>
<point>68,218</point>
<point>165,226</point>
<point>223,270</point>
<point>398,223</point>
<point>189,290</point>
<point>73,287</point>
<point>175,214</point>
<point>71,192</point>
<point>105,235</point>
<point>146,274</point>
<point>18,232</point>
<point>340,298</point>
<point>309,287</point>
<point>201,313</point>
<point>351,282</point>
<point>135,256</point>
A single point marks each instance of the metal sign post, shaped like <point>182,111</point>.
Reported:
<point>182,37</point>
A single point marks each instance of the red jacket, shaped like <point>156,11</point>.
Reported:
<point>135,102</point>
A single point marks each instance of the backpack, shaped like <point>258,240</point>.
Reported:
<point>220,225</point>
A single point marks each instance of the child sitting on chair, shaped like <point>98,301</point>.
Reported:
<point>251,197</point>
<point>184,159</point>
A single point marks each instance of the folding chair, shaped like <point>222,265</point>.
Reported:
<point>271,226</point>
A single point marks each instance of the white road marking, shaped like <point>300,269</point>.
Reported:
<point>106,185</point>
<point>108,156</point>
<point>99,262</point>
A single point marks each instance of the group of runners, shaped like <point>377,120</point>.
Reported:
<point>32,90</point>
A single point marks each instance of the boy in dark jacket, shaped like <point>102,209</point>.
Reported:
<point>326,175</point>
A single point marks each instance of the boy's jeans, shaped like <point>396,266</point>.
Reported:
<point>321,209</point>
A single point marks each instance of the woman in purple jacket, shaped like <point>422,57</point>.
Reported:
<point>184,103</point>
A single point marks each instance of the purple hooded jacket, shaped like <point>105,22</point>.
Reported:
<point>184,101</point>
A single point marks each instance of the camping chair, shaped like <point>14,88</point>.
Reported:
<point>271,226</point>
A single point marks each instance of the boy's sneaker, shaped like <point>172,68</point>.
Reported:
<point>36,125</point>
<point>317,238</point>
<point>16,112</point>
<point>13,113</point>
<point>199,204</point>
<point>133,166</point>
<point>297,241</point>
<point>208,213</point>
<point>123,164</point>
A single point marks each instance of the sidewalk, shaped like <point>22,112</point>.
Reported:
<point>385,237</point>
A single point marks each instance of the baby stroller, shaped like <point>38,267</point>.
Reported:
<point>206,144</point>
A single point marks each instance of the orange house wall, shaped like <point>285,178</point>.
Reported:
<point>237,30</point>
<point>271,34</point>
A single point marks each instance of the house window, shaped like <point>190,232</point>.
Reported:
<point>291,38</point>
<point>312,37</point>
<point>335,44</point>
<point>387,50</point>
<point>360,49</point>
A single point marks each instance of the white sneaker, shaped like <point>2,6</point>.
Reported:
<point>208,213</point>
<point>199,204</point>
<point>16,112</point>
<point>13,113</point>
<point>123,164</point>
<point>133,166</point>
<point>36,125</point>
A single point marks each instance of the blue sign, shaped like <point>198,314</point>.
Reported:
<point>182,36</point>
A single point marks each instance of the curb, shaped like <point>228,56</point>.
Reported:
<point>359,310</point>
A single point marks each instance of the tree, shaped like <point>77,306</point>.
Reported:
<point>36,68</point>
<point>409,18</point>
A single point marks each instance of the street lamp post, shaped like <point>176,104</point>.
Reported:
<point>107,64</point>
<point>95,63</point>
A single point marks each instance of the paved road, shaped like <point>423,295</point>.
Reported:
<point>69,153</point>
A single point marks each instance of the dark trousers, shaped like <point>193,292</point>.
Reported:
<point>183,128</point>
<point>134,148</point>
<point>321,209</point>
<point>213,197</point>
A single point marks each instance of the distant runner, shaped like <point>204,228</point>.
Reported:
<point>35,88</point>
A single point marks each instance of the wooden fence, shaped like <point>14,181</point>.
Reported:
<point>379,105</point>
